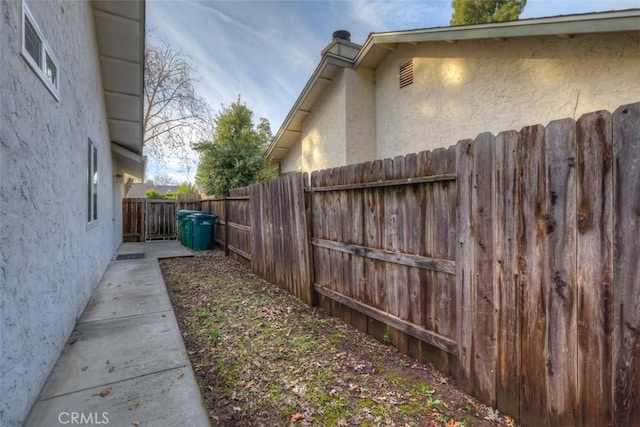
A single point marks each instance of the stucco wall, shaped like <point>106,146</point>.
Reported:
<point>360,101</point>
<point>293,161</point>
<point>341,126</point>
<point>466,88</point>
<point>324,131</point>
<point>50,260</point>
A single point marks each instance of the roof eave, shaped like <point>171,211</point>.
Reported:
<point>627,20</point>
<point>328,64</point>
<point>120,35</point>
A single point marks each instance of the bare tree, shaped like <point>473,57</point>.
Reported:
<point>174,115</point>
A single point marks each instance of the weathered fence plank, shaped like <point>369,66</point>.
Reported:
<point>626,350</point>
<point>594,171</point>
<point>432,338</point>
<point>442,234</point>
<point>531,257</point>
<point>465,263</point>
<point>508,197</point>
<point>358,279</point>
<point>483,294</point>
<point>560,278</point>
<point>442,265</point>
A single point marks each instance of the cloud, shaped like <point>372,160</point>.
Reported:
<point>400,15</point>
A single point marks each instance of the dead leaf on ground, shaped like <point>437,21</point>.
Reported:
<point>134,405</point>
<point>105,392</point>
<point>474,404</point>
<point>136,424</point>
<point>296,417</point>
<point>180,375</point>
<point>84,368</point>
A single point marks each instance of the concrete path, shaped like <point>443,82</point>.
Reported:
<point>125,363</point>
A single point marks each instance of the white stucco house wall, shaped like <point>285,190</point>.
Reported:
<point>406,91</point>
<point>71,85</point>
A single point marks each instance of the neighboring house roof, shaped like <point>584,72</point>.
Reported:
<point>139,189</point>
<point>120,33</point>
<point>379,45</point>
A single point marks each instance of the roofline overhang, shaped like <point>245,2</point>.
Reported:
<point>565,25</point>
<point>131,163</point>
<point>601,22</point>
<point>329,62</point>
<point>122,67</point>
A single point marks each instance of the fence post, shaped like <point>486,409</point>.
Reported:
<point>308,216</point>
<point>226,226</point>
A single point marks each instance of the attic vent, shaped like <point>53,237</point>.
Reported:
<point>406,74</point>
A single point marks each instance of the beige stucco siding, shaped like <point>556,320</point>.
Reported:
<point>466,88</point>
<point>324,131</point>
<point>293,161</point>
<point>51,259</point>
<point>341,126</point>
<point>360,115</point>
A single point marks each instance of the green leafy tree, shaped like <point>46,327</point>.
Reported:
<point>153,194</point>
<point>187,188</point>
<point>235,157</point>
<point>485,11</point>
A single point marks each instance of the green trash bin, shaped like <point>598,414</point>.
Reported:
<point>181,217</point>
<point>203,228</point>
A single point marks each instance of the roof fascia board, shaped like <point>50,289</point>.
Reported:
<point>137,161</point>
<point>628,20</point>
<point>126,153</point>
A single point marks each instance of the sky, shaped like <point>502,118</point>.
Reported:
<point>265,51</point>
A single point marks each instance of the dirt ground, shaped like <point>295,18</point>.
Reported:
<point>264,358</point>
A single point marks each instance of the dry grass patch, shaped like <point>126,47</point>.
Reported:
<point>264,358</point>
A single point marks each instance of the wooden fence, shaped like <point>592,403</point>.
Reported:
<point>153,219</point>
<point>133,220</point>
<point>160,219</point>
<point>510,261</point>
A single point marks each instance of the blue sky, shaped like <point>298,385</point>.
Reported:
<point>265,51</point>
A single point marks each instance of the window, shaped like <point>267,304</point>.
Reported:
<point>92,183</point>
<point>37,53</point>
<point>406,74</point>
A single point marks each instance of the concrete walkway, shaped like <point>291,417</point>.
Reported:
<point>125,363</point>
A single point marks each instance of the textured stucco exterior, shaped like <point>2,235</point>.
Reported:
<point>50,258</point>
<point>324,131</point>
<point>340,128</point>
<point>360,111</point>
<point>469,87</point>
<point>293,161</point>
<point>461,89</point>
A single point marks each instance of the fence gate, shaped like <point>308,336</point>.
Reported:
<point>133,220</point>
<point>160,219</point>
